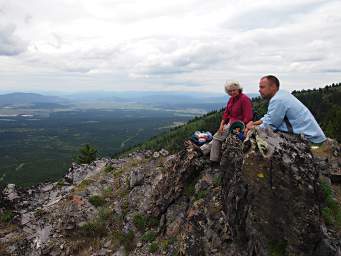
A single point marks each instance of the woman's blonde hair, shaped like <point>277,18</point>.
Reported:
<point>232,84</point>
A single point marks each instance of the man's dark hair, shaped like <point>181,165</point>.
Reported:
<point>272,79</point>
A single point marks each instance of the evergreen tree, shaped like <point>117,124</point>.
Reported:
<point>87,154</point>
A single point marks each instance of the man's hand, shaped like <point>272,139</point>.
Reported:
<point>250,125</point>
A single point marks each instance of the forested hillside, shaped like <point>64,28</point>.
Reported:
<point>173,139</point>
<point>324,103</point>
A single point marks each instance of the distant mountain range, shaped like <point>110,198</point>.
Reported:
<point>143,97</point>
<point>19,98</point>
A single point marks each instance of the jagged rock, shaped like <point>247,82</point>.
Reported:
<point>164,152</point>
<point>148,153</point>
<point>263,199</point>
<point>168,185</point>
<point>11,192</point>
<point>136,177</point>
<point>175,216</point>
<point>275,195</point>
<point>79,172</point>
<point>156,155</point>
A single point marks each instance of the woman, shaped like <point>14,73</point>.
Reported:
<point>238,108</point>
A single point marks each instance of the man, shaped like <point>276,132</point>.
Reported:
<point>286,113</point>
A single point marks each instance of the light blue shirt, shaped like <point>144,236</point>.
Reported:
<point>302,121</point>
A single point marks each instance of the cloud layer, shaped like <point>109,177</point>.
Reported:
<point>167,45</point>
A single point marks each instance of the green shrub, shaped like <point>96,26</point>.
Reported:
<point>87,154</point>
<point>149,236</point>
<point>201,194</point>
<point>153,247</point>
<point>218,181</point>
<point>97,200</point>
<point>105,214</point>
<point>125,239</point>
<point>107,192</point>
<point>277,248</point>
<point>164,245</point>
<point>6,216</point>
<point>327,215</point>
<point>140,222</point>
<point>60,183</point>
<point>331,213</point>
<point>152,222</point>
<point>94,228</point>
<point>39,213</point>
<point>108,168</point>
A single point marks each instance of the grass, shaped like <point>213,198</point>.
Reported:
<point>164,245</point>
<point>107,192</point>
<point>125,206</point>
<point>83,185</point>
<point>94,228</point>
<point>39,213</point>
<point>97,200</point>
<point>190,189</point>
<point>6,216</point>
<point>218,181</point>
<point>125,239</point>
<point>201,194</point>
<point>149,236</point>
<point>331,212</point>
<point>153,247</point>
<point>105,214</point>
<point>60,183</point>
<point>108,169</point>
<point>142,222</point>
<point>277,248</point>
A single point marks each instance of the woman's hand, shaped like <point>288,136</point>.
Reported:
<point>221,127</point>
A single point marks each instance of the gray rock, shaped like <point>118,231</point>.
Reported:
<point>136,177</point>
<point>156,155</point>
<point>164,152</point>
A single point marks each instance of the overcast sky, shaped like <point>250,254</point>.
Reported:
<point>178,45</point>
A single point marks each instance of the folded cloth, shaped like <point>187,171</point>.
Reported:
<point>200,138</point>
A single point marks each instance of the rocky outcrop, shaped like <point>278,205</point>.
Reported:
<point>274,196</point>
<point>264,198</point>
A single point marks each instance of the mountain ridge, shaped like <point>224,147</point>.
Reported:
<point>260,200</point>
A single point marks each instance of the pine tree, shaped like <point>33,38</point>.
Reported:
<point>87,154</point>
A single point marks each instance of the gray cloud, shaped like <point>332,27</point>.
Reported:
<point>271,15</point>
<point>10,44</point>
<point>148,44</point>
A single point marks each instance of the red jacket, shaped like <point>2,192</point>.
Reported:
<point>238,108</point>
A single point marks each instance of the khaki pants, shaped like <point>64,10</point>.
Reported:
<point>214,147</point>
